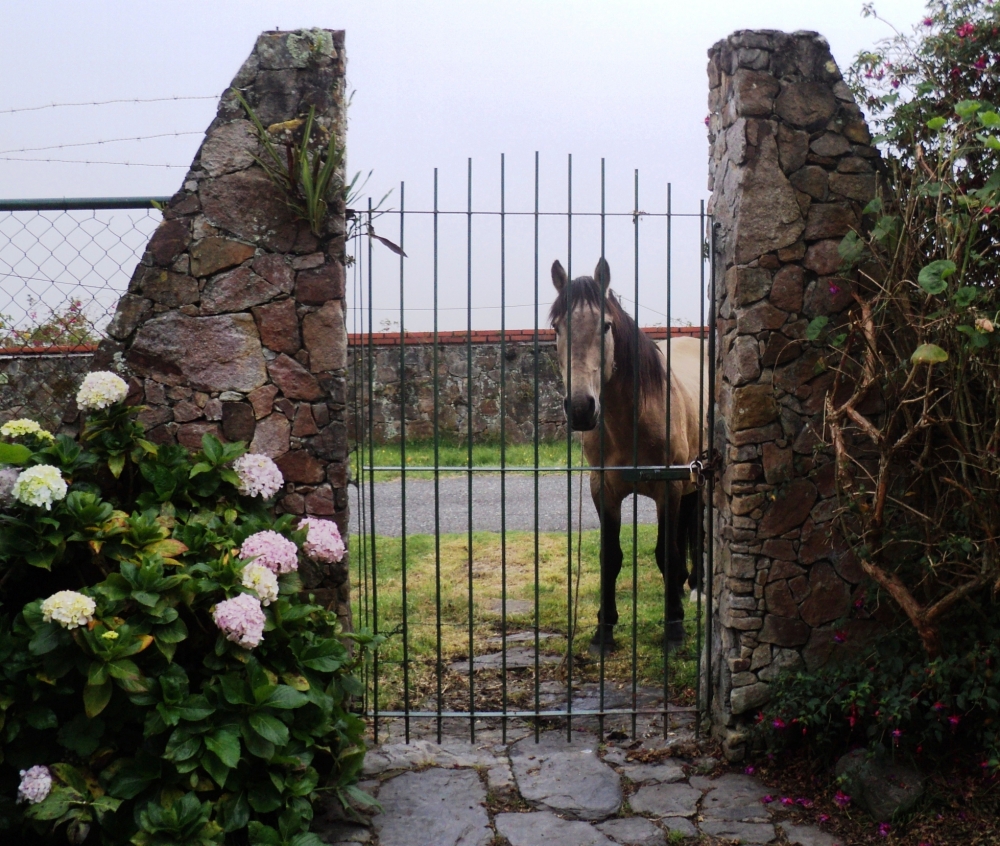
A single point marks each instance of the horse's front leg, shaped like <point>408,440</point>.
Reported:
<point>609,511</point>
<point>670,560</point>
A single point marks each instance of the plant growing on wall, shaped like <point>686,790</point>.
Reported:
<point>913,415</point>
<point>164,678</point>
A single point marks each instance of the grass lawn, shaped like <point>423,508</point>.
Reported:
<point>453,454</point>
<point>494,563</point>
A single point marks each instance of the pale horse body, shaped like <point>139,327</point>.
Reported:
<point>609,404</point>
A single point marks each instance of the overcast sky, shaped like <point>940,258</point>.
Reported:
<point>435,81</point>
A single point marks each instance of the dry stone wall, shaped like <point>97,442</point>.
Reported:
<point>234,319</point>
<point>791,168</point>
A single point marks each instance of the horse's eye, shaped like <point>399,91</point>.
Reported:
<point>607,325</point>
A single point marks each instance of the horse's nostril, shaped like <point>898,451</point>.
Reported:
<point>591,405</point>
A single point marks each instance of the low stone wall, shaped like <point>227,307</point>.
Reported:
<point>42,384</point>
<point>791,169</point>
<point>511,364</point>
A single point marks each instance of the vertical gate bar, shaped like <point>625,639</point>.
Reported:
<point>357,366</point>
<point>603,529</point>
<point>699,529</point>
<point>668,529</point>
<point>569,452</point>
<point>710,494</point>
<point>635,464</point>
<point>468,415</point>
<point>371,473</point>
<point>535,474</point>
<point>437,475</point>
<point>402,474</point>
<point>503,450</point>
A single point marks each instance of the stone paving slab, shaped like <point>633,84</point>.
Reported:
<point>518,658</point>
<point>666,800</point>
<point>543,828</point>
<point>568,778</point>
<point>435,807</point>
<point>633,831</point>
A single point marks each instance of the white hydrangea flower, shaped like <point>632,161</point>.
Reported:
<point>262,581</point>
<point>69,609</point>
<point>35,785</point>
<point>21,427</point>
<point>101,389</point>
<point>259,476</point>
<point>40,486</point>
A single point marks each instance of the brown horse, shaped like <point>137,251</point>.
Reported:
<point>588,335</point>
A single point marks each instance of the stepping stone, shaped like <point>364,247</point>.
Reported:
<point>666,800</point>
<point>568,778</point>
<point>681,825</point>
<point>732,797</point>
<point>633,831</point>
<point>743,832</point>
<point>521,637</point>
<point>514,606</point>
<point>806,835</point>
<point>545,827</point>
<point>434,807</point>
<point>423,753</point>
<point>343,833</point>
<point>518,658</point>
<point>659,773</point>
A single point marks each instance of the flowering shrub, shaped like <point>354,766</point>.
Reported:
<point>323,542</point>
<point>888,697</point>
<point>164,677</point>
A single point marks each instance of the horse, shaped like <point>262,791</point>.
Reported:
<point>609,396</point>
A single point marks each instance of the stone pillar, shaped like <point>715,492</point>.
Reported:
<point>791,168</point>
<point>234,319</point>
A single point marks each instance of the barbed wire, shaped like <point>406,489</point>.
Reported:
<point>105,141</point>
<point>87,162</point>
<point>106,103</point>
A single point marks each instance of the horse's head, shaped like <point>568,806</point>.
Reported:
<point>583,316</point>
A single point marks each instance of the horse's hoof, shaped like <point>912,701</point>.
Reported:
<point>603,641</point>
<point>675,636</point>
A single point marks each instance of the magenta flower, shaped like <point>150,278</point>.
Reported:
<point>928,21</point>
<point>275,552</point>
<point>708,119</point>
<point>241,620</point>
<point>750,770</point>
<point>767,800</point>
<point>778,723</point>
<point>965,30</point>
<point>884,829</point>
<point>839,636</point>
<point>323,543</point>
<point>805,803</point>
<point>980,63</point>
<point>938,706</point>
<point>787,800</point>
<point>823,818</point>
<point>895,83</point>
<point>954,720</point>
<point>842,799</point>
<point>859,603</point>
<point>834,290</point>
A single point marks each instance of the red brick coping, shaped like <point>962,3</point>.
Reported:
<point>492,336</point>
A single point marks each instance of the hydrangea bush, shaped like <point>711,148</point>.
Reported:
<point>164,677</point>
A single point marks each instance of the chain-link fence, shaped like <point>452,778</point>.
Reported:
<point>63,266</point>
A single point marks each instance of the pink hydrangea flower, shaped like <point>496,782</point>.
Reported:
<point>241,620</point>
<point>323,543</point>
<point>259,476</point>
<point>35,785</point>
<point>275,552</point>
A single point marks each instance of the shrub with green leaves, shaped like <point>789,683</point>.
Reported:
<point>164,677</point>
<point>912,416</point>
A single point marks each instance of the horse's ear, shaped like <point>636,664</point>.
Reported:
<point>559,278</point>
<point>602,274</point>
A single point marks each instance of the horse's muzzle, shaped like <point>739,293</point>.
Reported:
<point>581,413</point>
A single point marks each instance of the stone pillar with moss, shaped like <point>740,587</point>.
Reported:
<point>791,168</point>
<point>233,323</point>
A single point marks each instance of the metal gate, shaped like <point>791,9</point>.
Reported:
<point>462,456</point>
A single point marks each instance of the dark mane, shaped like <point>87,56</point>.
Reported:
<point>633,347</point>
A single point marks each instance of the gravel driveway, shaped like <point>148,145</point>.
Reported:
<point>454,498</point>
